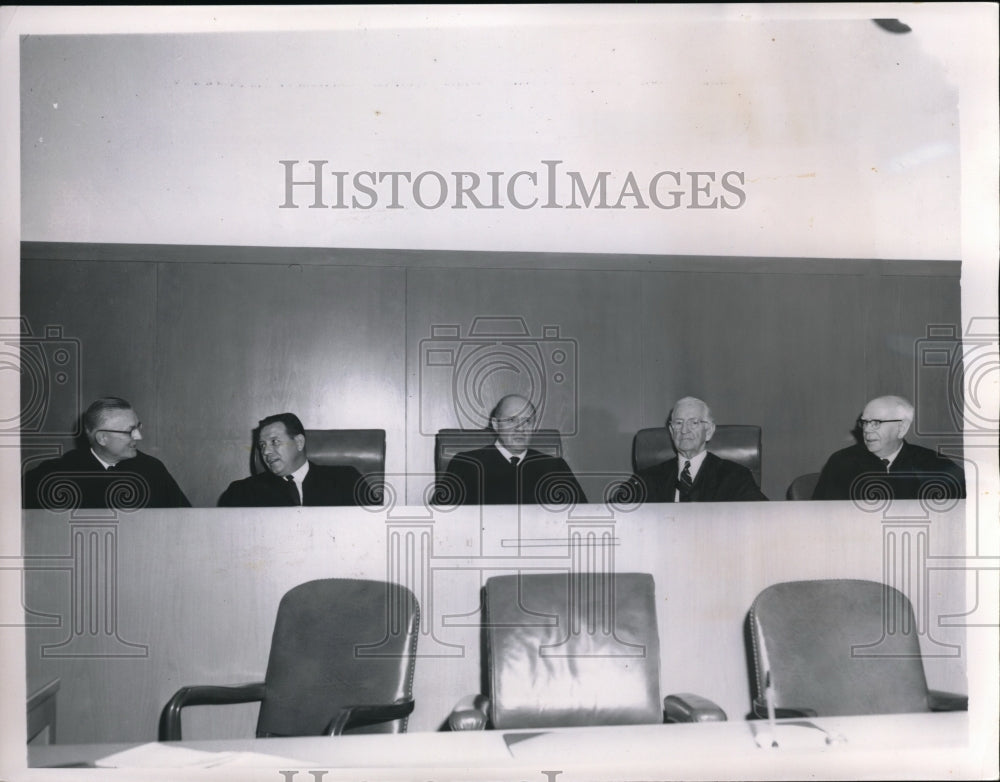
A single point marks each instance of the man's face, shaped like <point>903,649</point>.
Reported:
<point>885,439</point>
<point>514,423</point>
<point>689,429</point>
<point>282,454</point>
<point>118,437</point>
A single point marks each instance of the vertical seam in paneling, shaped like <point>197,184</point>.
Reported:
<point>156,348</point>
<point>637,324</point>
<point>406,381</point>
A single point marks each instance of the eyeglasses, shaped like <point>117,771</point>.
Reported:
<point>691,423</point>
<point>517,423</point>
<point>129,432</point>
<point>875,423</point>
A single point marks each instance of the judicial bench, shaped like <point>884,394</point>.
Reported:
<point>124,608</point>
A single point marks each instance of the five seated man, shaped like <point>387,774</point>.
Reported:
<point>112,472</point>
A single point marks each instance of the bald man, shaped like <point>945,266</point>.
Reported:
<point>884,462</point>
<point>696,474</point>
<point>508,472</point>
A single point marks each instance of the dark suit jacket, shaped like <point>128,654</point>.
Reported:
<point>324,485</point>
<point>855,472</point>
<point>485,477</point>
<point>718,480</point>
<point>78,480</point>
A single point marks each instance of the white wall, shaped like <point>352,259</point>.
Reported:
<point>847,135</point>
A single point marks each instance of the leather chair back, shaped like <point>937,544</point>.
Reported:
<point>363,449</point>
<point>338,642</point>
<point>454,441</point>
<point>569,650</point>
<point>738,443</point>
<point>837,647</point>
<point>802,487</point>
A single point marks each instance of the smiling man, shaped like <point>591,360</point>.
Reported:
<point>696,474</point>
<point>290,478</point>
<point>883,463</point>
<point>111,473</point>
<point>508,472</point>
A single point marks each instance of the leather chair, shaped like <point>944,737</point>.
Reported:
<point>342,658</point>
<point>571,650</point>
<point>802,487</point>
<point>736,442</point>
<point>450,442</point>
<point>839,647</point>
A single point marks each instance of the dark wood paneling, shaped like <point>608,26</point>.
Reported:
<point>237,343</point>
<point>104,315</point>
<point>448,259</point>
<point>778,351</point>
<point>205,341</point>
<point>588,316</point>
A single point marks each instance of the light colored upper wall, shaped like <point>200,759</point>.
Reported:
<point>846,135</point>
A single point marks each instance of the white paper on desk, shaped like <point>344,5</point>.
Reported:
<point>156,755</point>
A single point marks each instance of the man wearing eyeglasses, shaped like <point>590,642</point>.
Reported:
<point>508,472</point>
<point>883,464</point>
<point>111,473</point>
<point>290,478</point>
<point>696,474</point>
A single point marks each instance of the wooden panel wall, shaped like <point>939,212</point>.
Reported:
<point>197,592</point>
<point>205,341</point>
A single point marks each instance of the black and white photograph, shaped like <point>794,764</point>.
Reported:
<point>553,393</point>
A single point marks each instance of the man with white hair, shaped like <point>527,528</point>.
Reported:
<point>884,463</point>
<point>696,474</point>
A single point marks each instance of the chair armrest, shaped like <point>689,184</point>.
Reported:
<point>688,707</point>
<point>204,695</point>
<point>470,713</point>
<point>368,714</point>
<point>939,700</point>
<point>781,712</point>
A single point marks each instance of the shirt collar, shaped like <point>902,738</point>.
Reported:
<point>106,465</point>
<point>696,462</point>
<point>507,454</point>
<point>892,457</point>
<point>300,474</point>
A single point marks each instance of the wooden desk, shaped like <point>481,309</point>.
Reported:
<point>901,745</point>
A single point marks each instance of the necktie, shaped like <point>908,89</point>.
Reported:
<point>885,463</point>
<point>514,460</point>
<point>685,484</point>
<point>293,491</point>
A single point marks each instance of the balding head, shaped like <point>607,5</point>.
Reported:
<point>513,419</point>
<point>691,426</point>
